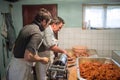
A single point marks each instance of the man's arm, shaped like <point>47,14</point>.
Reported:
<point>31,48</point>
<point>29,56</point>
<point>55,48</point>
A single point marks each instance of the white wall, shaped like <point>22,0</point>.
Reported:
<point>69,10</point>
<point>104,41</point>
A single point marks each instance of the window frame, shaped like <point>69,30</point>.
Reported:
<point>105,15</point>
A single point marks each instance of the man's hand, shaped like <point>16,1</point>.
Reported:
<point>68,55</point>
<point>35,58</point>
<point>44,60</point>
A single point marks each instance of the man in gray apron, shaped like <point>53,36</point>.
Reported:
<point>26,47</point>
<point>51,44</point>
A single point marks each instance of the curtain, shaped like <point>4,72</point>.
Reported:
<point>11,35</point>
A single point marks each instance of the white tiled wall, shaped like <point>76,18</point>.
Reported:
<point>104,41</point>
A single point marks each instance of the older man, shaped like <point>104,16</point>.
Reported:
<point>50,43</point>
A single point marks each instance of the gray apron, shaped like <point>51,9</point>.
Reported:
<point>41,68</point>
<point>19,69</point>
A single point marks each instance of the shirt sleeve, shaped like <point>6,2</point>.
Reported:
<point>34,42</point>
<point>49,38</point>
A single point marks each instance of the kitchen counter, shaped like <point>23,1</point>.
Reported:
<point>73,70</point>
<point>72,73</point>
<point>90,52</point>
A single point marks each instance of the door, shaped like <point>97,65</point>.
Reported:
<point>29,11</point>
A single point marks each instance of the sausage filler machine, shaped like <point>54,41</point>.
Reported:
<point>58,69</point>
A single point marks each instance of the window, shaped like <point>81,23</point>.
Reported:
<point>101,16</point>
